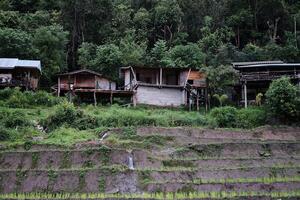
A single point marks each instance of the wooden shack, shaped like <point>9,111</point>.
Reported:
<point>19,73</point>
<point>169,87</point>
<point>255,77</point>
<point>88,85</point>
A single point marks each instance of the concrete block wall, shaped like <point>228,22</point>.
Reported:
<point>160,96</point>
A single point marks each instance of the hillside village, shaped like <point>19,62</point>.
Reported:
<point>156,99</point>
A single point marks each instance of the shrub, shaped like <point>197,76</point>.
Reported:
<point>17,99</point>
<point>250,117</point>
<point>45,99</point>
<point>6,93</point>
<point>17,119</point>
<point>224,116</point>
<point>14,119</point>
<point>86,122</point>
<point>4,134</point>
<point>64,113</point>
<point>282,100</point>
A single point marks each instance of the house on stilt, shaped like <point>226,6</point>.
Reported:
<point>24,74</point>
<point>88,86</point>
<point>255,77</point>
<point>166,87</point>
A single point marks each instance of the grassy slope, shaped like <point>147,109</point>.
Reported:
<point>114,116</point>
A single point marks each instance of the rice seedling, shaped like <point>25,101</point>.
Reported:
<point>145,196</point>
<point>265,180</point>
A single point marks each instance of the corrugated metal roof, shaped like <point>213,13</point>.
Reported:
<point>271,65</point>
<point>241,64</point>
<point>80,71</point>
<point>11,63</point>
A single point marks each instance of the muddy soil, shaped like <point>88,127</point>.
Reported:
<point>266,133</point>
<point>193,154</point>
<point>222,174</point>
<point>258,187</point>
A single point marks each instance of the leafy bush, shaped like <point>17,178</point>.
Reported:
<point>283,100</point>
<point>45,98</point>
<point>64,113</point>
<point>17,99</point>
<point>224,116</point>
<point>85,122</point>
<point>6,93</point>
<point>16,119</point>
<point>4,134</point>
<point>250,117</point>
<point>13,119</point>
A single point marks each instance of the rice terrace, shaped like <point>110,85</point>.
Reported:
<point>149,100</point>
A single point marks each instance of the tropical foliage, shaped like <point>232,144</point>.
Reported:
<point>104,35</point>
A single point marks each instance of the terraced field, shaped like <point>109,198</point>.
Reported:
<point>158,163</point>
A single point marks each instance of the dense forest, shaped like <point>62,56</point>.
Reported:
<point>104,35</point>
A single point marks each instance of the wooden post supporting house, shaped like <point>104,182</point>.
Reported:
<point>206,100</point>
<point>58,87</point>
<point>245,93</point>
<point>111,97</point>
<point>160,76</point>
<point>197,101</point>
<point>95,98</point>
<point>69,85</point>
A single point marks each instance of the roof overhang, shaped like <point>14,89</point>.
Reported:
<point>81,71</point>
<point>12,63</point>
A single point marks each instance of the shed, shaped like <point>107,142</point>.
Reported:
<point>19,73</point>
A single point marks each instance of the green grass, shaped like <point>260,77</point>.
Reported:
<point>158,196</point>
<point>94,120</point>
<point>68,136</point>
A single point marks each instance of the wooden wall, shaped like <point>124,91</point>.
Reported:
<point>86,81</point>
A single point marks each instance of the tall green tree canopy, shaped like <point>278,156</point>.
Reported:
<point>105,35</point>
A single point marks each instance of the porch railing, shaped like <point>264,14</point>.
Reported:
<point>268,75</point>
<point>14,83</point>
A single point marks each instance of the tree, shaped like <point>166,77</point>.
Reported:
<point>122,20</point>
<point>213,40</point>
<point>167,19</point>
<point>187,56</point>
<point>50,42</point>
<point>133,52</point>
<point>221,98</point>
<point>87,54</point>
<point>254,52</point>
<point>282,100</point>
<point>220,78</point>
<point>159,54</point>
<point>86,21</point>
<point>16,43</point>
<point>239,21</point>
<point>142,24</point>
<point>10,19</point>
<point>108,60</point>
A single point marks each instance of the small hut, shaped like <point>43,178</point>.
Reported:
<point>88,85</point>
<point>19,73</point>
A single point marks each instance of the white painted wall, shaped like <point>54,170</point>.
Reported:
<point>127,79</point>
<point>160,96</point>
<point>105,84</point>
